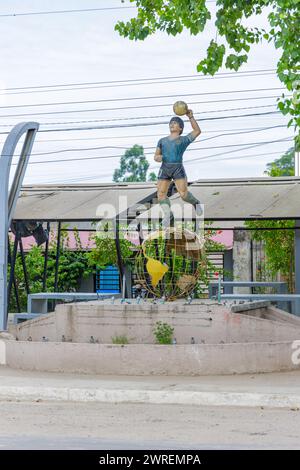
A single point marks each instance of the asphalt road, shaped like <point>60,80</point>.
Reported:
<point>65,425</point>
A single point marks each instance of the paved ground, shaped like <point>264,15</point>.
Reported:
<point>268,390</point>
<point>44,425</point>
<point>107,416</point>
<point>279,382</point>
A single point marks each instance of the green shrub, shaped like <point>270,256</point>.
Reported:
<point>163,333</point>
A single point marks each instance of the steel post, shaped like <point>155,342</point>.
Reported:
<point>8,199</point>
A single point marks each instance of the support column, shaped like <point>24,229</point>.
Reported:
<point>296,304</point>
<point>46,259</point>
<point>13,258</point>
<point>119,256</point>
<point>57,256</point>
<point>228,267</point>
<point>26,280</point>
<point>14,281</point>
<point>241,259</point>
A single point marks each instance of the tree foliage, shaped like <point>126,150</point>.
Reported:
<point>105,253</point>
<point>283,166</point>
<point>73,266</point>
<point>236,37</point>
<point>133,166</point>
<point>279,244</point>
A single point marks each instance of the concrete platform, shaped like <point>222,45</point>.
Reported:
<point>150,359</point>
<point>205,321</point>
<point>260,339</point>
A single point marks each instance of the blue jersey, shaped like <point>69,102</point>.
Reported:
<point>172,149</point>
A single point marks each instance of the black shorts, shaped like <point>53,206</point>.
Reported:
<point>171,171</point>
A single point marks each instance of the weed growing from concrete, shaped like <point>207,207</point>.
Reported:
<point>163,333</point>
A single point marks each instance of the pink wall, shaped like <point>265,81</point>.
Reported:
<point>225,237</point>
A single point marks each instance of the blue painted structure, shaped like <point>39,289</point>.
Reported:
<point>108,280</point>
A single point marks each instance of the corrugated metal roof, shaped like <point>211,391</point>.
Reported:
<point>243,199</point>
<point>79,202</point>
<point>224,199</point>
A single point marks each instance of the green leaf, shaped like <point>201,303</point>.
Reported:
<point>173,17</point>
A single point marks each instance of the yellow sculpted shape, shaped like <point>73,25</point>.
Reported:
<point>155,268</point>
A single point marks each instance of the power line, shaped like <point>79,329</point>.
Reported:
<point>247,131</point>
<point>82,10</point>
<point>166,115</point>
<point>136,82</point>
<point>135,118</point>
<point>156,167</point>
<point>145,136</point>
<point>167,77</point>
<point>146,124</point>
<point>52,12</point>
<point>74,149</point>
<point>141,98</point>
<point>233,151</point>
<point>103,157</point>
<point>225,132</point>
<point>249,98</point>
<point>246,156</point>
<point>83,178</point>
<point>237,157</point>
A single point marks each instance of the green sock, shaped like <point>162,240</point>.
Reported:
<point>191,199</point>
<point>195,202</point>
<point>165,201</point>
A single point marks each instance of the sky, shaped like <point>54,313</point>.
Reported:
<point>79,48</point>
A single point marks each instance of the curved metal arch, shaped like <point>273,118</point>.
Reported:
<point>8,200</point>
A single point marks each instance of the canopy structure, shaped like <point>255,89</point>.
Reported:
<point>243,199</point>
<point>80,202</point>
<point>226,200</point>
